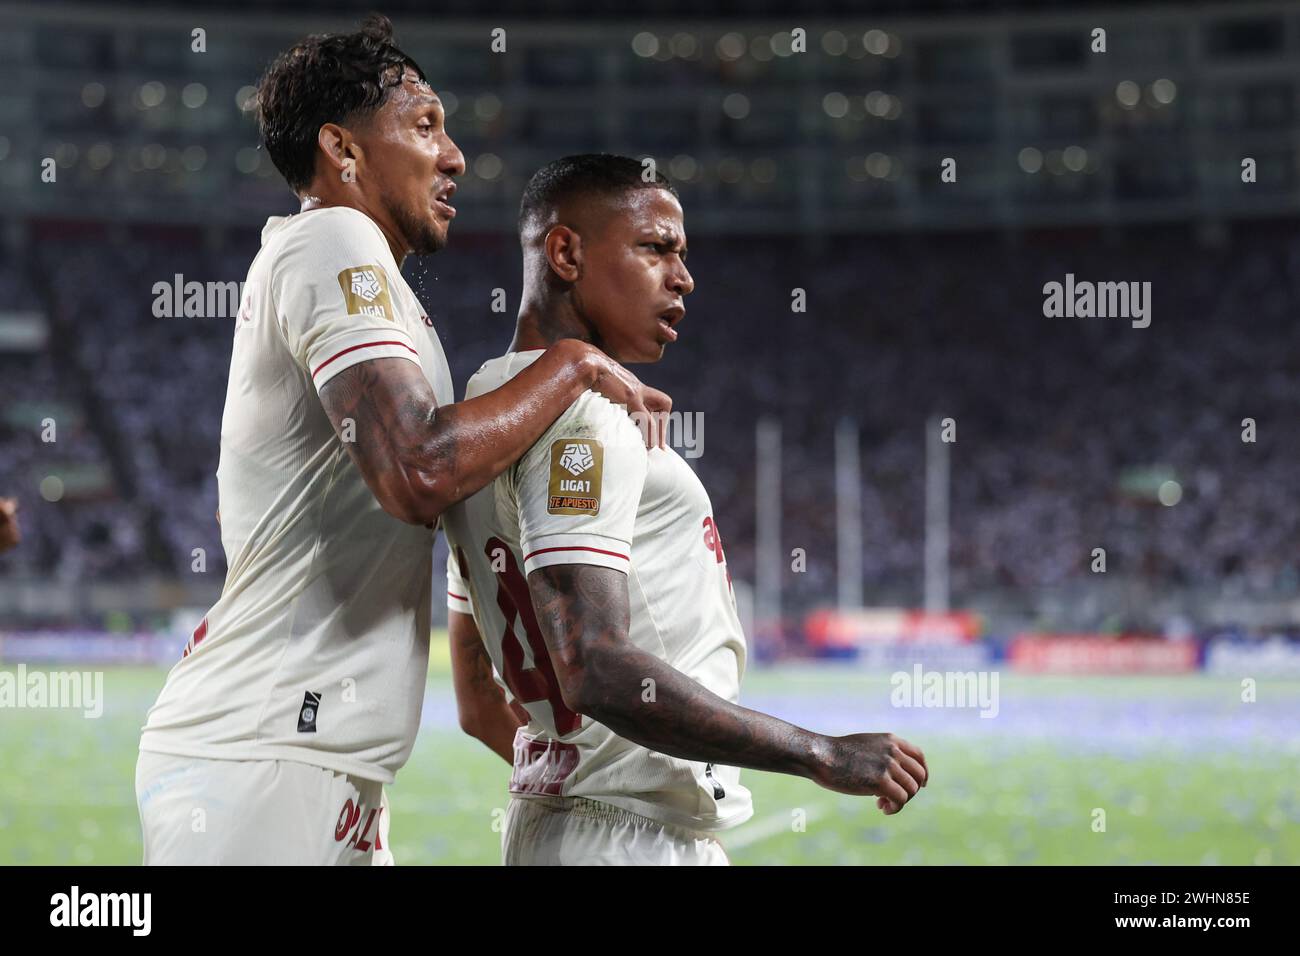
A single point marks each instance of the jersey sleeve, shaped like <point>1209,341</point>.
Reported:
<point>333,291</point>
<point>458,596</point>
<point>578,488</point>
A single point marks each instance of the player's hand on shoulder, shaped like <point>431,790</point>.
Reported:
<point>647,406</point>
<point>881,765</point>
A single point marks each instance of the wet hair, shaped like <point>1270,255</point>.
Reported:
<point>588,174</point>
<point>327,78</point>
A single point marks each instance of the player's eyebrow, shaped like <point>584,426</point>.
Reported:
<point>423,104</point>
<point>670,237</point>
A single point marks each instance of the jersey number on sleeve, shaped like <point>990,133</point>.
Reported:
<point>538,682</point>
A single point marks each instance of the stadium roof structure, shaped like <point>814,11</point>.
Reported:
<point>842,128</point>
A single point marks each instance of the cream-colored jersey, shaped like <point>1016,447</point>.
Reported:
<point>588,492</point>
<point>317,649</point>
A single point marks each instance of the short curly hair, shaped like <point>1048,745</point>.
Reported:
<point>326,78</point>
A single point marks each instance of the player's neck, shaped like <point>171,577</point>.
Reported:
<point>542,324</point>
<point>320,200</point>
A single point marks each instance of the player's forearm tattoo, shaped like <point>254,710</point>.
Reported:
<point>394,426</point>
<point>583,613</point>
<point>479,672</point>
<point>484,711</point>
<point>423,457</point>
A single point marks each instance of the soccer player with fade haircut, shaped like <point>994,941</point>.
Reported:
<point>299,695</point>
<point>591,577</point>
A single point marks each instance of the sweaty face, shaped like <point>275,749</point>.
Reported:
<point>634,276</point>
<point>409,164</point>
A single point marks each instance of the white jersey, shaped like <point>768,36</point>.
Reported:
<point>317,650</point>
<point>588,492</point>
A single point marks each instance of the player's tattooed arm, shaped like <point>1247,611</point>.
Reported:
<point>480,702</point>
<point>419,458</point>
<point>583,614</point>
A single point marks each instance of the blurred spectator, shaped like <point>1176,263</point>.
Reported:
<point>10,534</point>
<point>1052,415</point>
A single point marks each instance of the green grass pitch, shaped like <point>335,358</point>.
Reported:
<point>1184,771</point>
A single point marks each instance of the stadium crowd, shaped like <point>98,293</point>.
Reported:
<point>1059,422</point>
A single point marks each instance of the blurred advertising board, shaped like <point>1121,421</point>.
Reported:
<point>1274,657</point>
<point>1101,654</point>
<point>868,627</point>
<point>87,647</point>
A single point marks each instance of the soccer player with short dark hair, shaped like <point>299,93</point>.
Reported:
<point>596,579</point>
<point>299,695</point>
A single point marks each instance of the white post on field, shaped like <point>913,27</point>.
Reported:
<point>936,517</point>
<point>768,557</point>
<point>848,515</point>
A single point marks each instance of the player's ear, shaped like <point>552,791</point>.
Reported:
<point>341,151</point>
<point>564,253</point>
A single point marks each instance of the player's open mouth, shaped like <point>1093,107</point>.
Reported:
<point>670,318</point>
<point>442,201</point>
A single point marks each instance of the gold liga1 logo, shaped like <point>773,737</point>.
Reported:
<point>576,469</point>
<point>365,291</point>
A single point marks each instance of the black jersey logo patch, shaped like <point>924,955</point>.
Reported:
<point>309,712</point>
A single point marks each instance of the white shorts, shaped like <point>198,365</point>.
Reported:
<point>200,812</point>
<point>573,831</point>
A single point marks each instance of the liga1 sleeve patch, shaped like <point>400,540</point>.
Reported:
<point>365,291</point>
<point>576,470</point>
